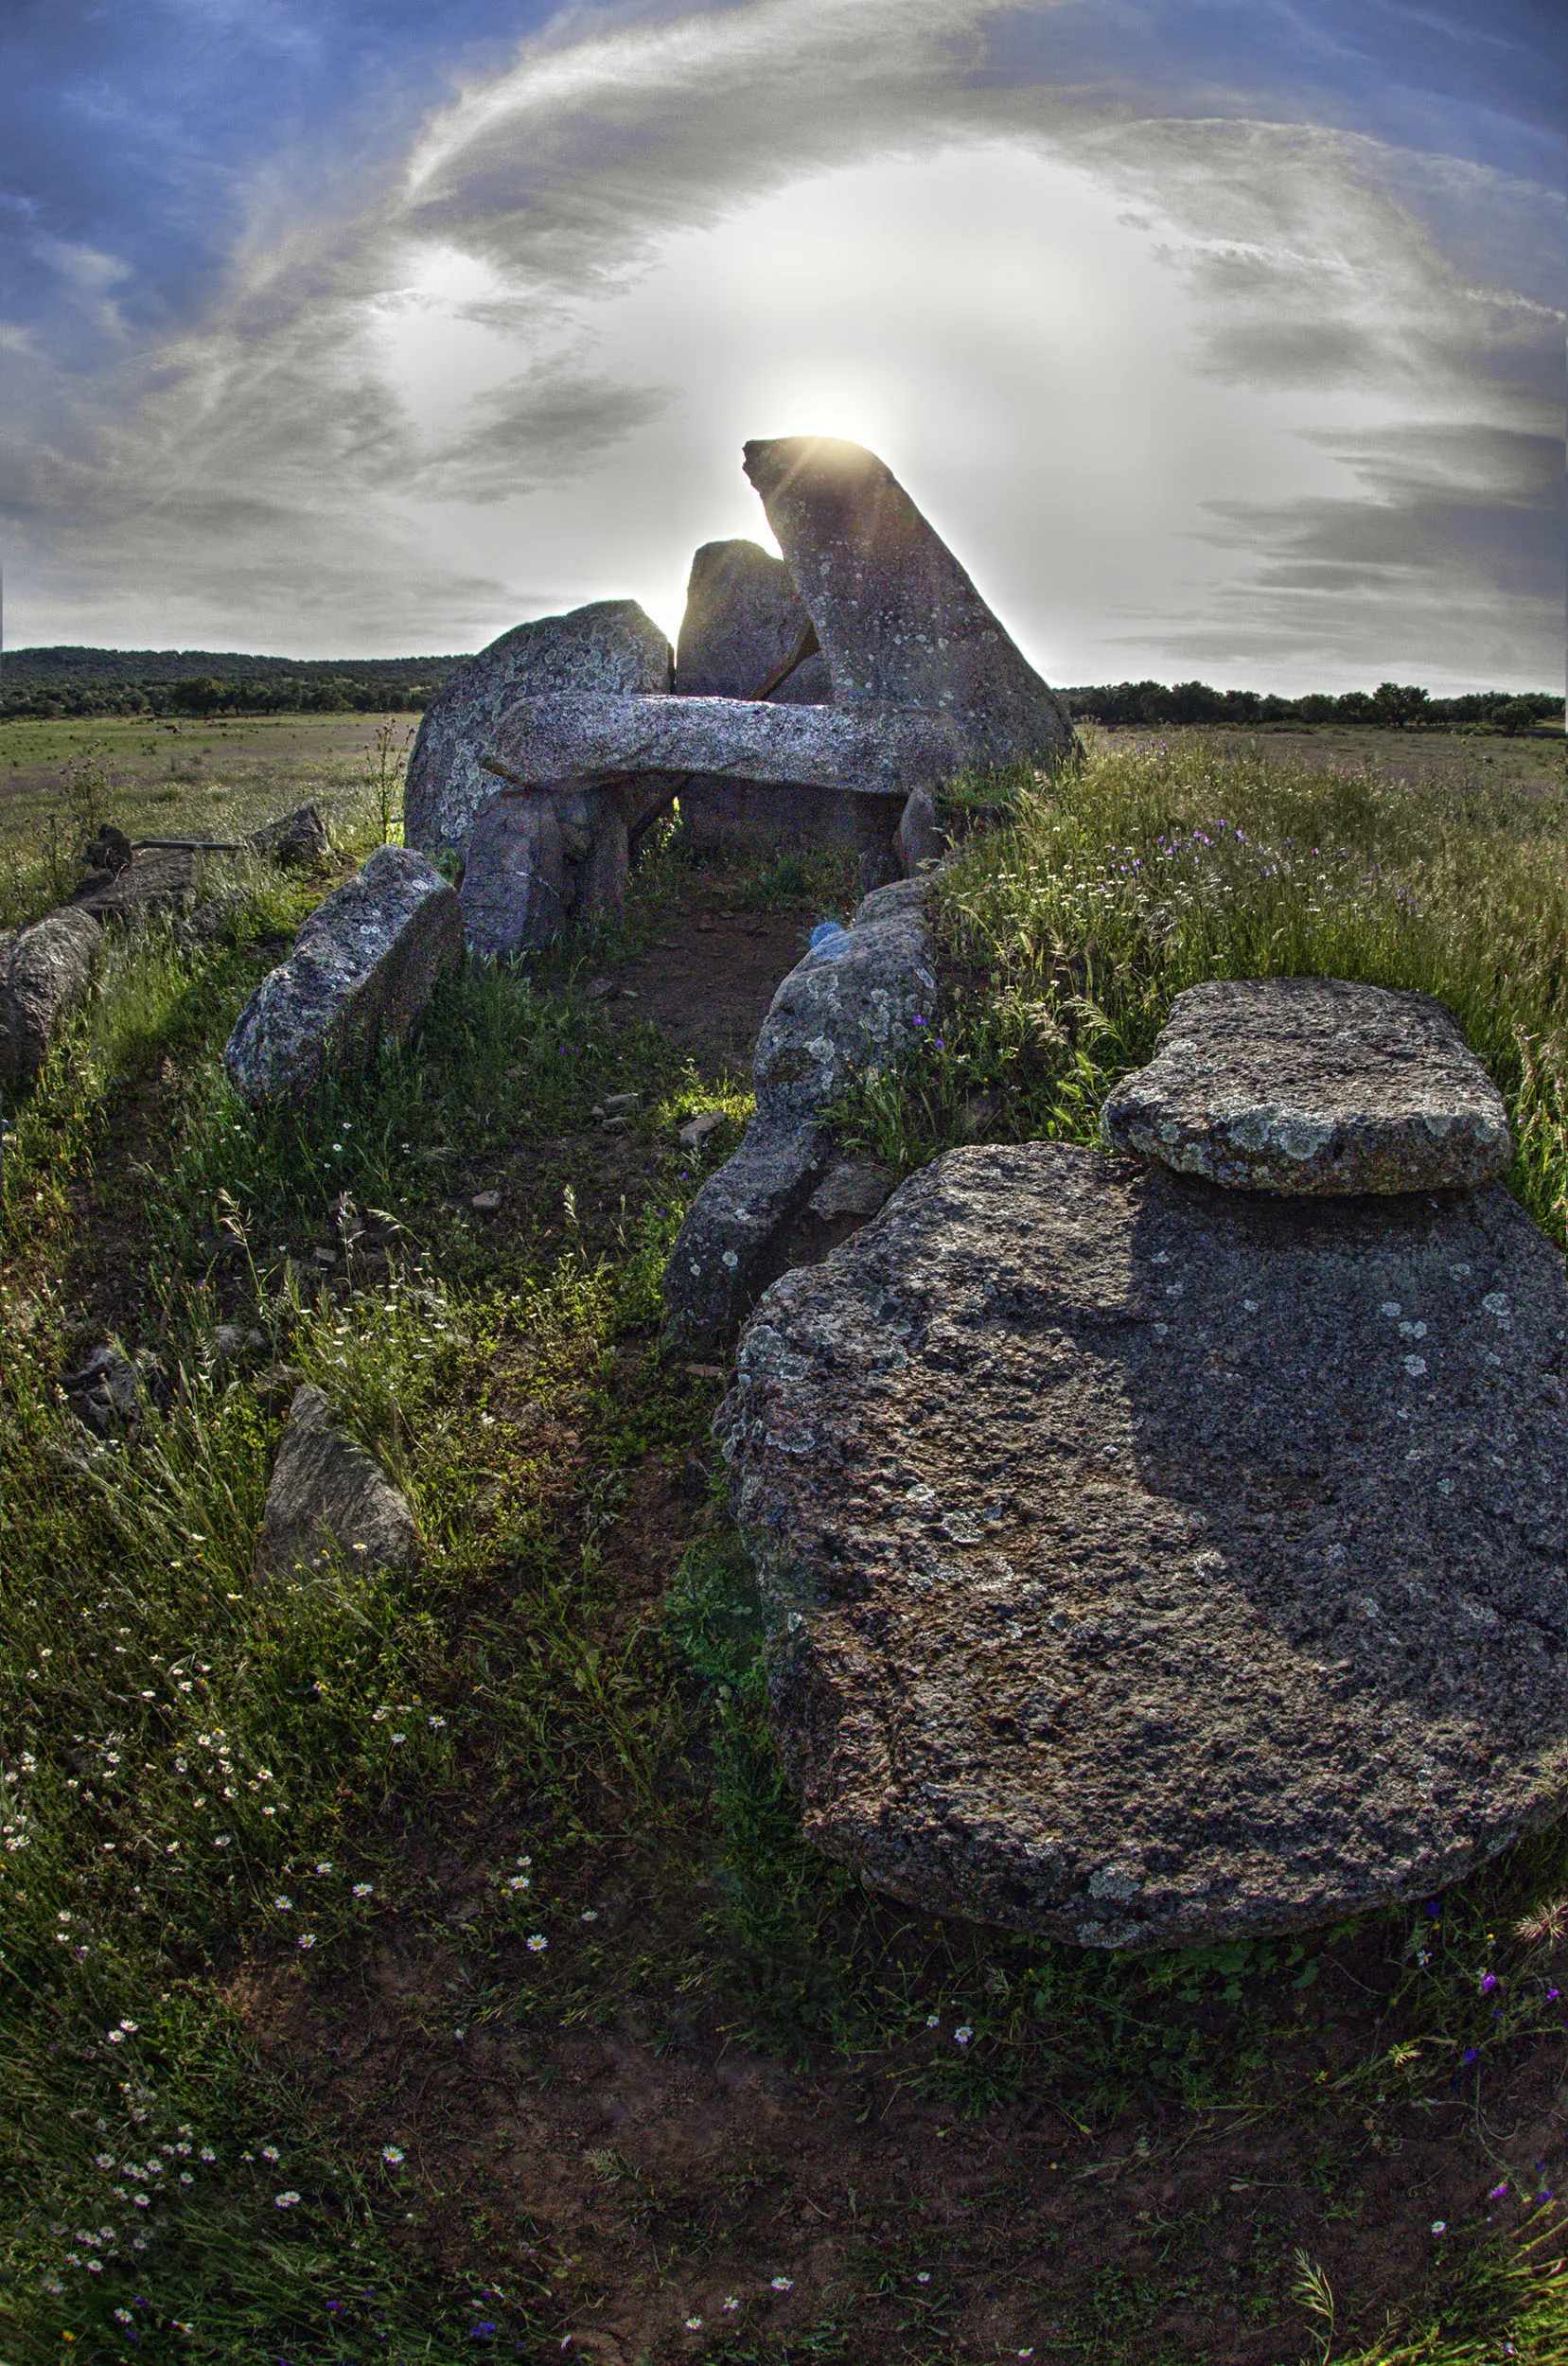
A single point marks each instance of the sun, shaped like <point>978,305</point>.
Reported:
<point>827,403</point>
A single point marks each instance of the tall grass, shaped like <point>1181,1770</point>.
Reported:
<point>1159,864</point>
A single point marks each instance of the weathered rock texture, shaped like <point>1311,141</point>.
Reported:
<point>539,863</point>
<point>898,619</point>
<point>1147,1562</point>
<point>328,1501</point>
<point>745,619</point>
<point>44,972</point>
<point>296,842</point>
<point>157,879</point>
<point>1312,1084</point>
<point>361,972</point>
<point>851,1006</point>
<point>876,751</point>
<point>609,646</point>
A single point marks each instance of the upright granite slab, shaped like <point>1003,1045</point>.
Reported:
<point>897,617</point>
<point>1312,1084</point>
<point>744,622</point>
<point>608,645</point>
<point>1147,1562</point>
<point>362,971</point>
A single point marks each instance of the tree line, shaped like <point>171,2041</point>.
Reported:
<point>1393,706</point>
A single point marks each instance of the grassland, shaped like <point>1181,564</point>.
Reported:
<point>409,1966</point>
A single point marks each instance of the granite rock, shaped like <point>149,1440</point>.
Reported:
<point>362,971</point>
<point>1148,1563</point>
<point>45,972</point>
<point>158,879</point>
<point>721,1254</point>
<point>744,619</point>
<point>296,842</point>
<point>845,1011</point>
<point>515,880</point>
<point>1312,1084</point>
<point>856,1186</point>
<point>608,645</point>
<point>897,617</point>
<point>328,1501</point>
<point>551,742</point>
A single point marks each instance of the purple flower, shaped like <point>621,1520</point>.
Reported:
<point>1488,1981</point>
<point>1497,2192</point>
<point>1469,2052</point>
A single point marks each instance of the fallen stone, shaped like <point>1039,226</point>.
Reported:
<point>229,1340</point>
<point>1312,1084</point>
<point>329,1500</point>
<point>696,1130</point>
<point>158,879</point>
<point>920,842</point>
<point>111,851</point>
<point>856,1186</point>
<point>873,750</point>
<point>296,842</point>
<point>1147,1563</point>
<point>608,645</point>
<point>45,972</point>
<point>362,971</point>
<point>105,1393</point>
<point>846,1010</point>
<point>720,1259</point>
<point>744,619</point>
<point>485,1201</point>
<point>614,1103</point>
<point>897,617</point>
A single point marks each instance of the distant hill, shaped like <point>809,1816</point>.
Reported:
<point>73,680</point>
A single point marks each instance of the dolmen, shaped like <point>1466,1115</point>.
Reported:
<point>820,699</point>
<point>1171,1547</point>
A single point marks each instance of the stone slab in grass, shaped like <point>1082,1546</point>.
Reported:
<point>1312,1084</point>
<point>330,1503</point>
<point>1148,1563</point>
<point>362,971</point>
<point>45,972</point>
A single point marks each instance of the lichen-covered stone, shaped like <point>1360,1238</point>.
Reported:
<point>721,1255</point>
<point>1147,1562</point>
<point>362,971</point>
<point>608,645</point>
<point>744,619</point>
<point>897,617</point>
<point>881,751</point>
<point>1312,1084</point>
<point>295,842</point>
<point>847,1010</point>
<point>329,1504</point>
<point>158,879</point>
<point>44,972</point>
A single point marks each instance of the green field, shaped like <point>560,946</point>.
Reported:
<point>405,1967</point>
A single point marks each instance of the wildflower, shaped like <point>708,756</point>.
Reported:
<point>208,2153</point>
<point>435,1723</point>
<point>1488,1981</point>
<point>284,1905</point>
<point>730,2302</point>
<point>962,2037</point>
<point>307,1938</point>
<point>325,1865</point>
<point>519,1881</point>
<point>106,2159</point>
<point>270,2152</point>
<point>591,1914</point>
<point>400,1737</point>
<point>286,2200</point>
<point>694,2325</point>
<point>363,1889</point>
<point>537,1942</point>
<point>391,2155</point>
<point>185,2178</point>
<point>924,2276</point>
<point>1439,2226</point>
<point>784,2284</point>
<point>122,2315</point>
<point>1469,2052</point>
<point>1497,2192</point>
<point>933,2020</point>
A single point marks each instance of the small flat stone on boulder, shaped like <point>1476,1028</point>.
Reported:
<point>158,879</point>
<point>608,645</point>
<point>329,1500</point>
<point>1310,1085</point>
<point>856,1186</point>
<point>362,971</point>
<point>1145,1563</point>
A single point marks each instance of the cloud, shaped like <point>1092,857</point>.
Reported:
<point>1145,367</point>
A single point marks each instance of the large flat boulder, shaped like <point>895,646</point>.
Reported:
<point>157,879</point>
<point>330,1503</point>
<point>873,750</point>
<point>608,645</point>
<point>1312,1084</point>
<point>362,971</point>
<point>1147,1562</point>
<point>45,972</point>
<point>897,617</point>
<point>744,621</point>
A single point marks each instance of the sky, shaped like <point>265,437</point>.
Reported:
<point>1219,338</point>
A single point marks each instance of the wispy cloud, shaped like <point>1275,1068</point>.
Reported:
<point>1295,373</point>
